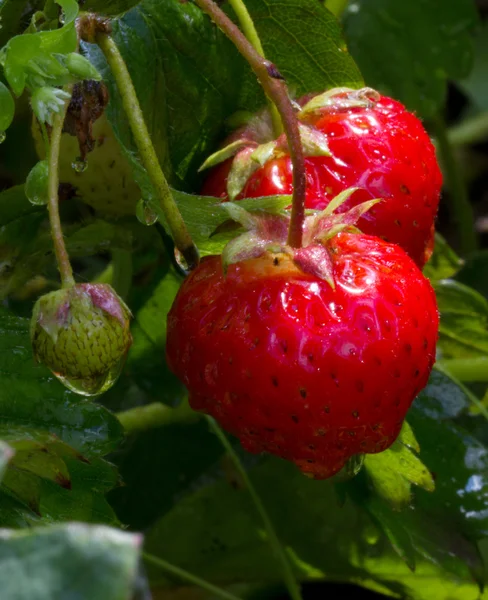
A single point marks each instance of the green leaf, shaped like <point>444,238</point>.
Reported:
<point>185,69</point>
<point>7,108</point>
<point>458,461</point>
<point>19,51</point>
<point>36,185</point>
<point>30,397</point>
<point>392,471</point>
<point>73,560</point>
<point>70,10</point>
<point>203,216</point>
<point>85,500</point>
<point>475,272</point>
<point>463,330</point>
<point>215,533</point>
<point>11,13</point>
<point>444,262</point>
<point>146,360</point>
<point>57,471</point>
<point>410,49</point>
<point>6,454</point>
<point>305,41</point>
<point>180,452</point>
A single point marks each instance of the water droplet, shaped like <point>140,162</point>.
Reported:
<point>181,262</point>
<point>3,136</point>
<point>93,386</point>
<point>350,469</point>
<point>79,165</point>
<point>145,214</point>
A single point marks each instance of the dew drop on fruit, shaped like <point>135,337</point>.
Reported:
<point>145,214</point>
<point>93,386</point>
<point>3,136</point>
<point>79,165</point>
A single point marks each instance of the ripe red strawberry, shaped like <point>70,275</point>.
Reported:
<point>293,366</point>
<point>376,145</point>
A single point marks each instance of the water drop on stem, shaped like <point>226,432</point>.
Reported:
<point>145,214</point>
<point>79,165</point>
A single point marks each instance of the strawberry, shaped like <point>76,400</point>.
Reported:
<point>312,354</point>
<point>367,141</point>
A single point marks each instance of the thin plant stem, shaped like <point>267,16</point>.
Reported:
<point>154,415</point>
<point>337,7</point>
<point>288,575</point>
<point>62,258</point>
<point>276,90</point>
<point>135,117</point>
<point>188,577</point>
<point>252,35</point>
<point>462,211</point>
<point>467,369</point>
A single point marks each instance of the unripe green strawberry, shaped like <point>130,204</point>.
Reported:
<point>82,334</point>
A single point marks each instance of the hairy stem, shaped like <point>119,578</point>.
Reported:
<point>469,131</point>
<point>276,90</point>
<point>135,117</point>
<point>151,416</point>
<point>188,577</point>
<point>288,575</point>
<point>461,208</point>
<point>337,7</point>
<point>62,258</point>
<point>250,32</point>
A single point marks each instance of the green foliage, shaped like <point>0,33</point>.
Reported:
<point>387,529</point>
<point>429,40</point>
<point>56,471</point>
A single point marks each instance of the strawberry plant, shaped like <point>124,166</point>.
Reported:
<point>244,311</point>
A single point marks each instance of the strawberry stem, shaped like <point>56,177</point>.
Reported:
<point>276,91</point>
<point>149,159</point>
<point>62,258</point>
<point>252,35</point>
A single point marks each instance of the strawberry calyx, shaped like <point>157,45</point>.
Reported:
<point>268,232</point>
<point>253,145</point>
<point>341,99</point>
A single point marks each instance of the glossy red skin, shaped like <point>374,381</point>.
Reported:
<point>297,369</point>
<point>385,151</point>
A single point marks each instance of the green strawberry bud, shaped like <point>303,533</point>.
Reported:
<point>82,334</point>
<point>81,67</point>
